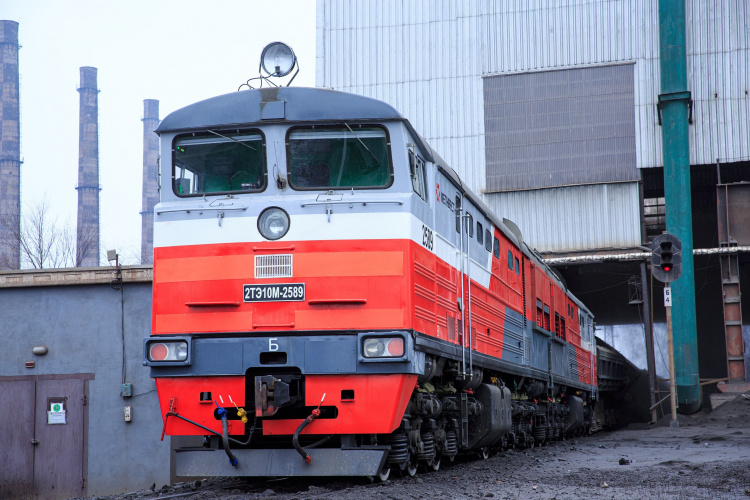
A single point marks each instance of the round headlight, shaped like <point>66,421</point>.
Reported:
<point>273,223</point>
<point>374,348</point>
<point>180,352</point>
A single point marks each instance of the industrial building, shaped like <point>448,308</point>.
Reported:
<point>551,112</point>
<point>84,353</point>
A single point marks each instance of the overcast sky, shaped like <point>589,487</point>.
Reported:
<point>177,52</point>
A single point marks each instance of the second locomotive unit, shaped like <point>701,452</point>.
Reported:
<point>329,298</point>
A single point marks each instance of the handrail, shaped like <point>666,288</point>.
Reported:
<point>351,202</point>
<point>468,281</point>
<point>201,209</point>
<point>459,215</point>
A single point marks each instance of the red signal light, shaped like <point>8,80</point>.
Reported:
<point>158,352</point>
<point>666,267</point>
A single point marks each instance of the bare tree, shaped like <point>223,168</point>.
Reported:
<point>9,236</point>
<point>85,243</point>
<point>43,242</point>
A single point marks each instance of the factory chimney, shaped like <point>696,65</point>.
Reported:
<point>150,179</point>
<point>87,232</point>
<point>10,149</point>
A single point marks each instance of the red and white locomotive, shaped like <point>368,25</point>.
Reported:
<point>330,299</point>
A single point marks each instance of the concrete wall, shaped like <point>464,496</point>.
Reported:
<point>82,326</point>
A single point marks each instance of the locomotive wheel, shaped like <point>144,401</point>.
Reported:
<point>410,468</point>
<point>384,474</point>
<point>432,466</point>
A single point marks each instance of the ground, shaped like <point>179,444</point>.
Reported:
<point>707,456</point>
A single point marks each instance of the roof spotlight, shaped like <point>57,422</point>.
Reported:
<point>277,59</point>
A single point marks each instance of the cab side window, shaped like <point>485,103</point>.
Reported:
<point>417,173</point>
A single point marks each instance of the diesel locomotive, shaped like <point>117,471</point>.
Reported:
<point>329,298</point>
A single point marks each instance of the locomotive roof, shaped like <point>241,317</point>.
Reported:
<point>304,104</point>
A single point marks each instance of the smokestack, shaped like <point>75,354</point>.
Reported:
<point>87,233</point>
<point>10,149</point>
<point>150,183</point>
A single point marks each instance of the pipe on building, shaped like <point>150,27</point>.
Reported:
<point>675,105</point>
<point>618,257</point>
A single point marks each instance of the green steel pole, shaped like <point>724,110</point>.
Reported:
<point>674,106</point>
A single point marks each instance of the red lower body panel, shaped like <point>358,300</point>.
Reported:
<point>377,405</point>
<point>183,394</point>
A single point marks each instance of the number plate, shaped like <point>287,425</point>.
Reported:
<point>281,292</point>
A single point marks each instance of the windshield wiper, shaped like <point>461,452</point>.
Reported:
<point>363,144</point>
<point>232,139</point>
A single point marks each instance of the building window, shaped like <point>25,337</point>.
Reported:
<point>558,110</point>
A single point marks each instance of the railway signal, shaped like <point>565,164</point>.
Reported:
<point>666,258</point>
<point>666,266</point>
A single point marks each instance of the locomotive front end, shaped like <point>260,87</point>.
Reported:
<point>280,313</point>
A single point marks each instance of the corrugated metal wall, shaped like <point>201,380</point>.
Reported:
<point>718,46</point>
<point>427,58</point>
<point>414,54</point>
<point>420,57</point>
<point>570,219</point>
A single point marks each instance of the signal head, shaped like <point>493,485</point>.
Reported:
<point>666,257</point>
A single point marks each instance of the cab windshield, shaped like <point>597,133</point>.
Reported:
<point>338,157</point>
<point>218,162</point>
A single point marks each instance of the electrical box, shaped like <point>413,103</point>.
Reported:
<point>128,413</point>
<point>127,390</point>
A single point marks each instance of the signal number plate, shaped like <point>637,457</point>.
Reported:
<point>281,292</point>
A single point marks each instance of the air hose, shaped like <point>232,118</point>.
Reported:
<point>225,437</point>
<point>295,439</point>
